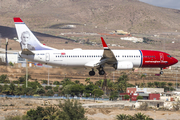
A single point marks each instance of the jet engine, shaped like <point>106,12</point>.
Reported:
<point>124,65</point>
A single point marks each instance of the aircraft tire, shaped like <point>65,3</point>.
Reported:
<point>161,72</point>
<point>91,73</point>
<point>101,72</point>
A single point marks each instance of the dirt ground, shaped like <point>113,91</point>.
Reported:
<point>110,114</point>
<point>59,73</point>
<point>19,106</point>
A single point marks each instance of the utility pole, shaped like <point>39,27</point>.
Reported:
<point>113,76</point>
<point>0,39</point>
<point>26,73</point>
<point>176,78</point>
<point>48,75</point>
<point>105,81</point>
<point>6,51</point>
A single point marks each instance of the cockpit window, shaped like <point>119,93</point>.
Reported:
<point>169,56</point>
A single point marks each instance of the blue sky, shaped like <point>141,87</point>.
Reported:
<point>175,4</point>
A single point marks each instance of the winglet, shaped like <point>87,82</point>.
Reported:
<point>18,20</point>
<point>104,43</point>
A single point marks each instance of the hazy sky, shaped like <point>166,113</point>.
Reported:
<point>175,4</point>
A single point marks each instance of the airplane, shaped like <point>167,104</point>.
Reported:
<point>33,50</point>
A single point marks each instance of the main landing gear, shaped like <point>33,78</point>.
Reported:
<point>92,73</point>
<point>101,71</point>
<point>161,72</point>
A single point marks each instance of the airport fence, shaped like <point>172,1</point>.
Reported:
<point>53,97</point>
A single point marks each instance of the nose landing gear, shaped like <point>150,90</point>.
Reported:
<point>161,72</point>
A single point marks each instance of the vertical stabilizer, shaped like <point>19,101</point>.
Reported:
<point>26,38</point>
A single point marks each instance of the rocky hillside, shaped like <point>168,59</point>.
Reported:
<point>107,15</point>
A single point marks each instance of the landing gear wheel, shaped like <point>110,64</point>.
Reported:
<point>91,73</point>
<point>101,72</point>
<point>161,72</point>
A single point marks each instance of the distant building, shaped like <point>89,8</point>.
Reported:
<point>133,39</point>
<point>14,58</point>
<point>146,93</point>
<point>144,90</point>
<point>146,96</point>
<point>120,32</point>
<point>151,103</point>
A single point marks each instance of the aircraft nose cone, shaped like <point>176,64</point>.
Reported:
<point>175,60</point>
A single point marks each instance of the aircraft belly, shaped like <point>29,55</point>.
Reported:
<point>71,62</point>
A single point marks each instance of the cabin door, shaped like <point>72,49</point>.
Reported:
<point>47,57</point>
<point>161,57</point>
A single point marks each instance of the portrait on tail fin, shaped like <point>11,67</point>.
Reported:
<point>25,38</point>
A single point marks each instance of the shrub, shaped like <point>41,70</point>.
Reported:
<point>64,111</point>
<point>139,97</point>
<point>138,116</point>
<point>11,64</point>
<point>113,95</point>
<point>4,79</point>
<point>122,117</point>
<point>40,91</point>
<point>56,89</point>
<point>16,82</point>
<point>56,83</point>
<point>50,92</point>
<point>97,93</point>
<point>44,82</point>
<point>71,110</point>
<point>126,97</point>
<point>22,79</point>
<point>48,87</point>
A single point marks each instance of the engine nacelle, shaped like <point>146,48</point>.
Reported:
<point>124,65</point>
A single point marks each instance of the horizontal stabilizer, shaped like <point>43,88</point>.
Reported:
<point>27,52</point>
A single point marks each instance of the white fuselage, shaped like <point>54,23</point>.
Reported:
<point>80,58</point>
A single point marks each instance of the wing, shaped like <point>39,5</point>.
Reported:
<point>108,55</point>
<point>108,58</point>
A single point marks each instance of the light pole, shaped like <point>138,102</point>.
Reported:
<point>113,76</point>
<point>6,51</point>
<point>26,73</point>
<point>176,78</point>
<point>48,75</point>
